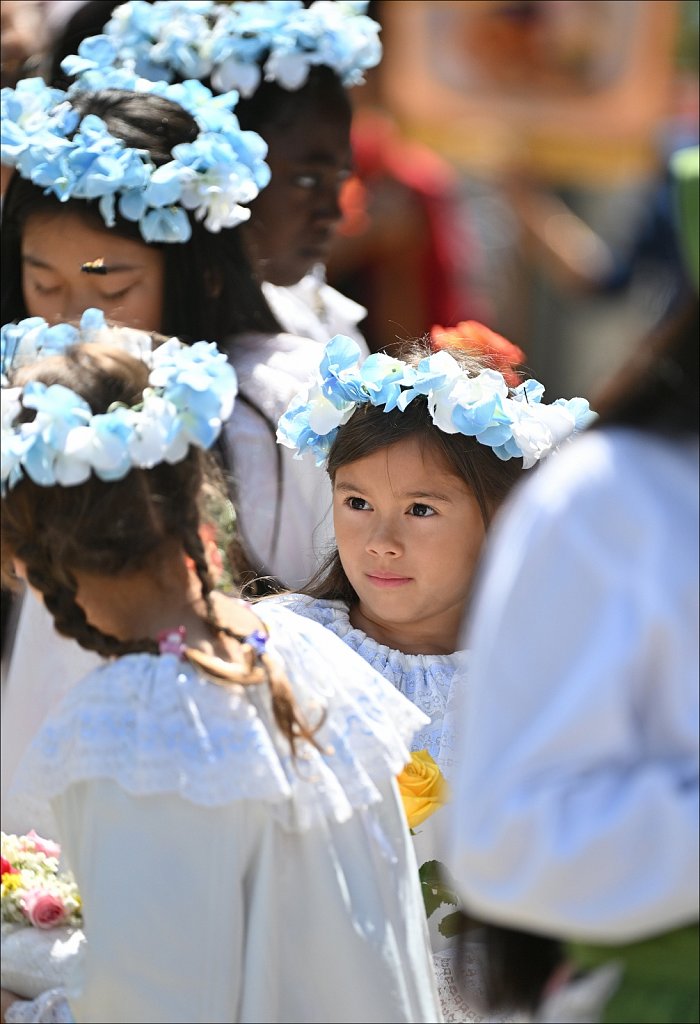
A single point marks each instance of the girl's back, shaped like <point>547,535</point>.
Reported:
<point>223,881</point>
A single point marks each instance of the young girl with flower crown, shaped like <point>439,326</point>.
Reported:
<point>125,199</point>
<point>421,451</point>
<point>293,65</point>
<point>224,800</point>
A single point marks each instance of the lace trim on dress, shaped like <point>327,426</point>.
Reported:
<point>50,1007</point>
<point>155,725</point>
<point>433,682</point>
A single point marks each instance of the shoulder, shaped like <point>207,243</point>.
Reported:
<point>153,724</point>
<point>593,526</point>
<point>313,308</point>
<point>326,613</point>
<point>256,353</point>
<point>614,481</point>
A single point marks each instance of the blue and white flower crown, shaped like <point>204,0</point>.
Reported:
<point>190,394</point>
<point>512,422</point>
<point>235,45</point>
<point>213,176</point>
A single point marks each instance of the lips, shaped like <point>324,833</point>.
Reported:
<point>385,580</point>
<point>319,242</point>
<point>317,250</point>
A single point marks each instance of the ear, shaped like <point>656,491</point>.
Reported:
<point>20,568</point>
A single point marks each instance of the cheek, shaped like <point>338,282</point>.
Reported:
<point>348,533</point>
<point>143,309</point>
<point>463,553</point>
<point>38,305</point>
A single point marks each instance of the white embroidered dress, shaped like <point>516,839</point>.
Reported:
<point>221,881</point>
<point>430,682</point>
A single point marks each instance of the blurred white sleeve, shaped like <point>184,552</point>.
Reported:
<point>576,801</point>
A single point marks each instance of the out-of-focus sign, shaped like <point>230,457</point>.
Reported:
<point>569,90</point>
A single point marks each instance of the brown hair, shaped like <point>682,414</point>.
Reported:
<point>656,389</point>
<point>114,527</point>
<point>209,291</point>
<point>370,429</point>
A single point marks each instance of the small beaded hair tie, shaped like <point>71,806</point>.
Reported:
<point>253,647</point>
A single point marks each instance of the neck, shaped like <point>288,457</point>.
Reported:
<point>140,604</point>
<point>426,637</point>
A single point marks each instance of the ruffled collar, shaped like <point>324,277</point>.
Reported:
<point>155,725</point>
<point>335,616</point>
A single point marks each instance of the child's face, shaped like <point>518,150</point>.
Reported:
<point>293,220</point>
<point>55,247</point>
<point>409,532</point>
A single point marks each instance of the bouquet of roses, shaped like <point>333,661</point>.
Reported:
<point>34,891</point>
<point>41,916</point>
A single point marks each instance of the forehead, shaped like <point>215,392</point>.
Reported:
<point>409,466</point>
<point>66,240</point>
<point>311,138</point>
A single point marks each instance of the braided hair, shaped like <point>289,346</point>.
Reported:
<point>109,528</point>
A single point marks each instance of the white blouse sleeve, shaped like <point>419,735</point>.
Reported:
<point>287,525</point>
<point>155,868</point>
<point>577,794</point>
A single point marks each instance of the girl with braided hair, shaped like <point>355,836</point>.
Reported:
<point>68,245</point>
<point>210,727</point>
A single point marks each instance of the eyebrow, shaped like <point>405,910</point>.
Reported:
<point>431,495</point>
<point>33,261</point>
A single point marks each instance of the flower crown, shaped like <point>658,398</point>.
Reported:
<point>190,394</point>
<point>221,169</point>
<point>471,336</point>
<point>511,421</point>
<point>230,43</point>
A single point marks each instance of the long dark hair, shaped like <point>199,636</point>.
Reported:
<point>210,290</point>
<point>370,429</point>
<point>657,388</point>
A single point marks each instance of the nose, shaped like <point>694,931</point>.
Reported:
<point>327,203</point>
<point>384,541</point>
<point>74,303</point>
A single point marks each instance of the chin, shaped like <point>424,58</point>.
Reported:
<point>285,277</point>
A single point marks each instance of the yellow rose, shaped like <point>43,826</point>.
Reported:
<point>423,788</point>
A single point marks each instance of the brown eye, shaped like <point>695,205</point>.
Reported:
<point>422,511</point>
<point>359,504</point>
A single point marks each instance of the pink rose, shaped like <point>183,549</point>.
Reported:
<point>43,909</point>
<point>46,846</point>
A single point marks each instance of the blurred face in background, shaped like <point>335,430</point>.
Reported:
<point>55,246</point>
<point>294,219</point>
